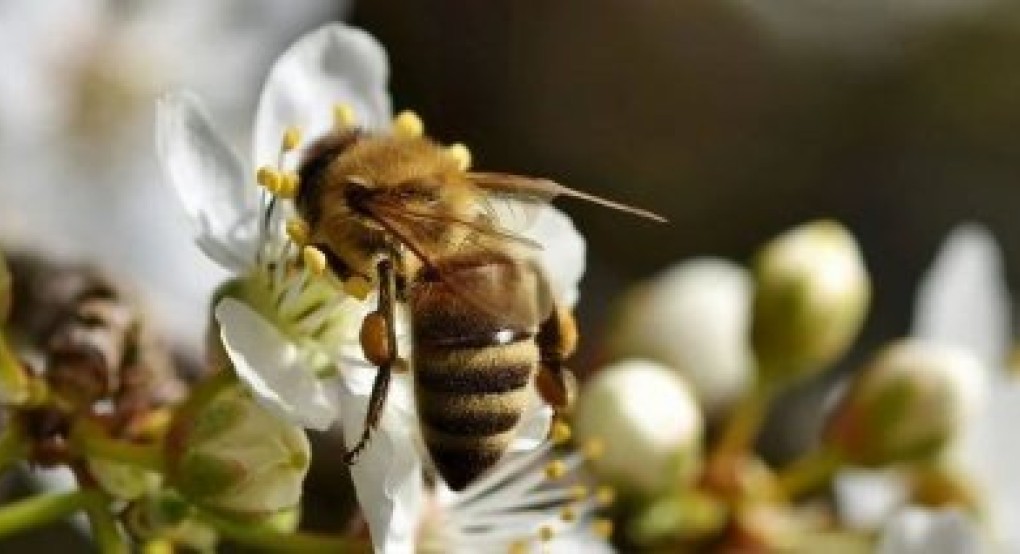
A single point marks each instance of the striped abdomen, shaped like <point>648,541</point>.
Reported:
<point>472,364</point>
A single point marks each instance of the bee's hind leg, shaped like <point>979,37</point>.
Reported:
<point>379,343</point>
<point>557,340</point>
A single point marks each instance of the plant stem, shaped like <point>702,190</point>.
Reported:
<point>40,510</point>
<point>268,539</point>
<point>742,427</point>
<point>810,472</point>
<point>104,528</point>
<point>91,440</point>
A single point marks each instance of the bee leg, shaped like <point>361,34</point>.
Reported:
<point>557,340</point>
<point>379,342</point>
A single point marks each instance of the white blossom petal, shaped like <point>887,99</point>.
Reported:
<point>964,300</point>
<point>866,499</point>
<point>272,368</point>
<point>388,473</point>
<point>534,426</point>
<point>563,253</point>
<point>335,64</point>
<point>209,180</point>
<point>918,531</point>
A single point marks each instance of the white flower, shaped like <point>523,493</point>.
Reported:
<point>286,349</point>
<point>916,531</point>
<point>964,302</point>
<point>693,317</point>
<point>532,502</point>
<point>82,104</point>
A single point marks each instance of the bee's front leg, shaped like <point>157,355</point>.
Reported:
<point>379,343</point>
<point>557,340</point>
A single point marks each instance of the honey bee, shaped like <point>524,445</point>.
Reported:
<point>400,213</point>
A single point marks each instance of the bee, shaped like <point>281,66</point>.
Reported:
<point>398,212</point>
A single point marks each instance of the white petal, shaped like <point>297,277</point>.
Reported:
<point>534,427</point>
<point>334,64</point>
<point>563,253</point>
<point>917,531</point>
<point>964,299</point>
<point>271,367</point>
<point>387,476</point>
<point>866,499</point>
<point>209,180</point>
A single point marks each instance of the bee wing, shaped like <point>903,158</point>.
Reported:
<point>530,190</point>
<point>506,261</point>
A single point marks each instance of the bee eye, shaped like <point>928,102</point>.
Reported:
<point>357,192</point>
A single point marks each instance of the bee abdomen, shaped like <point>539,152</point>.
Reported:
<point>470,402</point>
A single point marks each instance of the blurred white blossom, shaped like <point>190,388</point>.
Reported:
<point>79,83</point>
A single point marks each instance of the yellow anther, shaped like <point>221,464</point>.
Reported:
<point>460,153</point>
<point>269,178</point>
<point>407,124</point>
<point>298,231</point>
<point>555,469</point>
<point>560,432</point>
<point>605,496</point>
<point>603,528</point>
<point>291,138</point>
<point>578,492</point>
<point>289,185</point>
<point>344,116</point>
<point>314,260</point>
<point>594,448</point>
<point>358,287</point>
<point>568,514</point>
<point>518,547</point>
<point>158,546</point>
<point>546,533</point>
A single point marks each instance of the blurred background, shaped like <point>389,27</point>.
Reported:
<point>735,119</point>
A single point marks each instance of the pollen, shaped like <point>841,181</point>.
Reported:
<point>546,533</point>
<point>289,185</point>
<point>407,124</point>
<point>298,231</point>
<point>344,116</point>
<point>291,138</point>
<point>578,492</point>
<point>518,547</point>
<point>560,432</point>
<point>269,178</point>
<point>603,528</point>
<point>358,287</point>
<point>605,496</point>
<point>460,153</point>
<point>594,448</point>
<point>568,514</point>
<point>556,469</point>
<point>314,260</point>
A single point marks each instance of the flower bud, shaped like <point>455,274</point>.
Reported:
<point>693,317</point>
<point>649,423</point>
<point>813,292</point>
<point>122,481</point>
<point>907,405</point>
<point>227,452</point>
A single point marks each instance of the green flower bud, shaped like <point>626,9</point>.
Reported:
<point>121,480</point>
<point>813,292</point>
<point>649,423</point>
<point>907,405</point>
<point>228,453</point>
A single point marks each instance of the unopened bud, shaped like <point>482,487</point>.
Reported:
<point>648,423</point>
<point>229,453</point>
<point>693,317</point>
<point>907,405</point>
<point>122,481</point>
<point>813,292</point>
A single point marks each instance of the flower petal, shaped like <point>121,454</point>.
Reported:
<point>563,253</point>
<point>866,499</point>
<point>334,64</point>
<point>209,180</point>
<point>388,474</point>
<point>534,426</point>
<point>917,531</point>
<point>271,367</point>
<point>963,299</point>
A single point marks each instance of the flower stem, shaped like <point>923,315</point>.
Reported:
<point>268,539</point>
<point>40,510</point>
<point>810,472</point>
<point>104,527</point>
<point>741,428</point>
<point>91,440</point>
